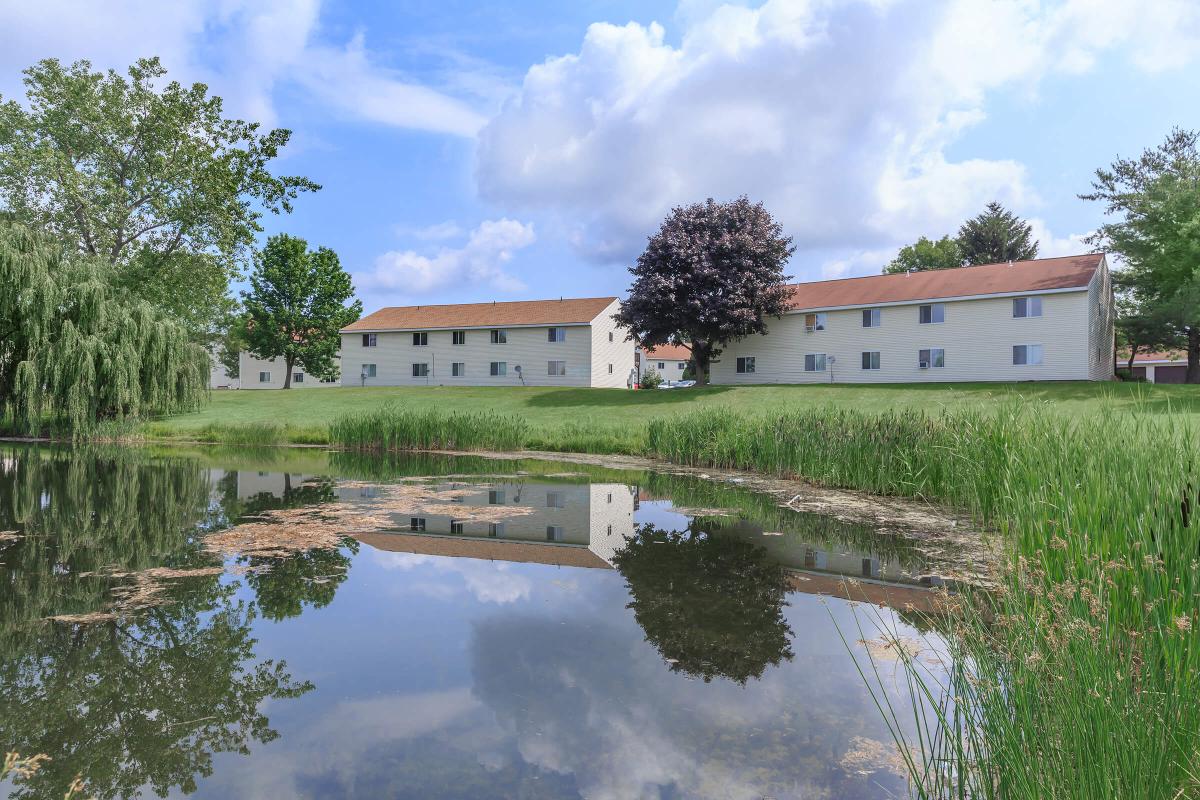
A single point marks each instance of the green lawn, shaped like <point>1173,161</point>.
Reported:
<point>307,412</point>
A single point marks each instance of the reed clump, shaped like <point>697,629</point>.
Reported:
<point>392,427</point>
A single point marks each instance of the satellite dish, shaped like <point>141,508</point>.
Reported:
<point>517,369</point>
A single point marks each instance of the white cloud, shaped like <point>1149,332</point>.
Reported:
<point>480,260</point>
<point>838,115</point>
<point>487,581</point>
<point>244,49</point>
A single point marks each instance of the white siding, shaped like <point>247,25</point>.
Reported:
<point>1101,326</point>
<point>619,352</point>
<point>977,336</point>
<point>529,348</point>
<point>249,368</point>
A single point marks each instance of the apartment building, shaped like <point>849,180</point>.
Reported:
<point>564,342</point>
<point>1044,319</point>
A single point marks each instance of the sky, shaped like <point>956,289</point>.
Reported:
<point>495,151</point>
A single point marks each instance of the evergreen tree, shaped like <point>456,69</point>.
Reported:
<point>996,235</point>
<point>77,350</point>
<point>297,306</point>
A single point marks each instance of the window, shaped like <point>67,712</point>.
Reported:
<point>554,533</point>
<point>416,523</point>
<point>556,368</point>
<point>872,317</point>
<point>496,529</point>
<point>745,364</point>
<point>499,336</point>
<point>1027,355</point>
<point>556,334</point>
<point>499,368</point>
<point>814,362</point>
<point>680,365</point>
<point>662,365</point>
<point>870,359</point>
<point>496,497</point>
<point>420,370</point>
<point>932,358</point>
<point>933,313</point>
<point>297,377</point>
<point>264,377</point>
<point>420,338</point>
<point>610,369</point>
<point>458,337</point>
<point>1027,307</point>
<point>554,500</point>
<point>456,526</point>
<point>610,338</point>
<point>368,370</point>
<point>370,340</point>
<point>814,322</point>
<point>458,369</point>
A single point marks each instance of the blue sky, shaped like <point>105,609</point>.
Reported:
<point>475,151</point>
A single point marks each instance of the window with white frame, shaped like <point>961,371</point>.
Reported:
<point>458,337</point>
<point>420,338</point>
<point>931,358</point>
<point>932,313</point>
<point>496,497</point>
<point>420,370</point>
<point>496,529</point>
<point>554,533</point>
<point>870,359</point>
<point>456,526</point>
<point>556,334</point>
<point>368,371</point>
<point>1027,307</point>
<point>498,368</point>
<point>662,365</point>
<point>499,336</point>
<point>1027,355</point>
<point>297,377</point>
<point>458,369</point>
<point>871,317</point>
<point>815,322</point>
<point>370,340</point>
<point>745,364</point>
<point>264,377</point>
<point>814,362</point>
<point>556,369</point>
<point>680,364</point>
<point>416,523</point>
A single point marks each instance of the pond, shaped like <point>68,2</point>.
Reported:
<point>297,623</point>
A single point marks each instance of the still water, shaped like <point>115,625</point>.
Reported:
<point>433,628</point>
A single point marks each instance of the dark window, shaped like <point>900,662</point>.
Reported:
<point>556,369</point>
<point>556,334</point>
<point>420,338</point>
<point>499,368</point>
<point>933,358</point>
<point>458,369</point>
<point>745,364</point>
<point>872,317</point>
<point>456,526</point>
<point>416,524</point>
<point>933,313</point>
<point>420,370</point>
<point>370,340</point>
<point>870,360</point>
<point>814,362</point>
<point>499,336</point>
<point>297,377</point>
<point>368,370</point>
<point>458,337</point>
<point>1027,307</point>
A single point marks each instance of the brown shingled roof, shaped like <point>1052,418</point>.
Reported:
<point>1043,274</point>
<point>567,311</point>
<point>485,549</point>
<point>670,352</point>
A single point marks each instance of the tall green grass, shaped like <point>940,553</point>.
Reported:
<point>1080,678</point>
<point>392,427</point>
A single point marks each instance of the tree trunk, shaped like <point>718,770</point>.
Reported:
<point>701,353</point>
<point>1132,355</point>
<point>1193,350</point>
<point>287,379</point>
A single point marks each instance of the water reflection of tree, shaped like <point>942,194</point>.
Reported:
<point>148,699</point>
<point>712,605</point>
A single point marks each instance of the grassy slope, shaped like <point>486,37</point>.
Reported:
<point>307,413</point>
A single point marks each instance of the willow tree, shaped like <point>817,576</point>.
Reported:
<point>75,350</point>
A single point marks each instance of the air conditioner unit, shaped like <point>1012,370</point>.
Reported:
<point>924,365</point>
<point>809,328</point>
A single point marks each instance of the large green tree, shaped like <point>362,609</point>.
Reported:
<point>927,254</point>
<point>713,273</point>
<point>77,349</point>
<point>996,235</point>
<point>296,305</point>
<point>150,177</point>
<point>1154,201</point>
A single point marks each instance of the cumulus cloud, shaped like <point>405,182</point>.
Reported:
<point>479,260</point>
<point>244,49</point>
<point>487,581</point>
<point>838,116</point>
